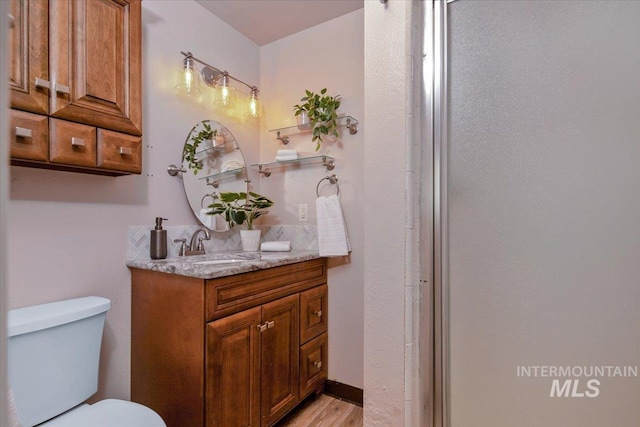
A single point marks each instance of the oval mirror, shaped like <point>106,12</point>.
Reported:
<point>213,163</point>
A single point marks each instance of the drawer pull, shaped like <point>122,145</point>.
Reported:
<point>270,324</point>
<point>317,364</point>
<point>42,83</point>
<point>262,327</point>
<point>12,20</point>
<point>62,89</point>
<point>318,313</point>
<point>23,132</point>
<point>125,151</point>
<point>78,142</point>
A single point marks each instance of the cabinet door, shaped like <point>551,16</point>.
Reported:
<point>95,63</point>
<point>280,352</point>
<point>233,371</point>
<point>28,54</point>
<point>72,143</point>
<point>313,365</point>
<point>119,151</point>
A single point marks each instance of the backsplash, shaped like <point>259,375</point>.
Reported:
<point>302,237</point>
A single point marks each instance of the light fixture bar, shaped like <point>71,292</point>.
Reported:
<point>214,73</point>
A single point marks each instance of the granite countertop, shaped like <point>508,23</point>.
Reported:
<point>220,264</point>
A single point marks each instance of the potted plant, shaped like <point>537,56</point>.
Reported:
<point>321,110</point>
<point>238,208</point>
<point>191,154</point>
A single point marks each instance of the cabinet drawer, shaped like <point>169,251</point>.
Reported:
<point>313,365</point>
<point>29,136</point>
<point>313,313</point>
<point>119,151</point>
<point>231,294</point>
<point>72,143</point>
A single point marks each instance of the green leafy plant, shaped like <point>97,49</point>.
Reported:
<point>238,208</point>
<point>321,109</point>
<point>191,146</point>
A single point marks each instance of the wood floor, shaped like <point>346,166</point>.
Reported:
<point>324,411</point>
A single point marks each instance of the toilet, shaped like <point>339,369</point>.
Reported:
<point>53,358</point>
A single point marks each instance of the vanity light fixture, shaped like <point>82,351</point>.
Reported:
<point>224,93</point>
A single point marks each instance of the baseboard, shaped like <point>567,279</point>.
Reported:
<point>344,392</point>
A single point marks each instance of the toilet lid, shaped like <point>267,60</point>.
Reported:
<point>108,413</point>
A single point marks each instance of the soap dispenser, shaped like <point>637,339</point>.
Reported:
<point>158,240</point>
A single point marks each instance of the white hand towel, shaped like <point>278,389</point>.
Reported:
<point>285,158</point>
<point>287,153</point>
<point>333,239</point>
<point>276,246</point>
<point>13,411</point>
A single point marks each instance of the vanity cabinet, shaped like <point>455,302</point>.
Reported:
<point>77,64</point>
<point>239,350</point>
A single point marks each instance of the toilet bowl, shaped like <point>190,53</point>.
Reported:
<point>53,360</point>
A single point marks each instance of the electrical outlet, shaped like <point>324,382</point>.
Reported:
<point>303,212</point>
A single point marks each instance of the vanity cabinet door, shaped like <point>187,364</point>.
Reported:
<point>280,352</point>
<point>233,370</point>
<point>29,55</point>
<point>313,365</point>
<point>95,54</point>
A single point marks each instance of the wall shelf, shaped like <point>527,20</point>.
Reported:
<point>282,134</point>
<point>213,179</point>
<point>265,168</point>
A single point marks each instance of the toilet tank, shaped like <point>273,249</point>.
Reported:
<point>53,356</point>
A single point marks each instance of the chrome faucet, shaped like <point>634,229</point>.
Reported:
<point>198,248</point>
<point>193,248</point>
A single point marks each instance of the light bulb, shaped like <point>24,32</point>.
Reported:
<point>225,94</point>
<point>188,80</point>
<point>254,105</point>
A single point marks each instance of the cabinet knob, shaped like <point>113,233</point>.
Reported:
<point>23,132</point>
<point>125,151</point>
<point>317,364</point>
<point>12,20</point>
<point>318,313</point>
<point>78,142</point>
<point>262,327</point>
<point>42,83</point>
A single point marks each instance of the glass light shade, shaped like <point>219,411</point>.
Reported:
<point>254,105</point>
<point>225,94</point>
<point>188,79</point>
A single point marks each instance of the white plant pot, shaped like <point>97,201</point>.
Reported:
<point>303,121</point>
<point>250,240</point>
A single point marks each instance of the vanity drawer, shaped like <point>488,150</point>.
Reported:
<point>72,143</point>
<point>313,365</point>
<point>29,136</point>
<point>120,152</point>
<point>231,294</point>
<point>313,313</point>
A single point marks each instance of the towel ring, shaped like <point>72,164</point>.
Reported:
<point>213,196</point>
<point>333,179</point>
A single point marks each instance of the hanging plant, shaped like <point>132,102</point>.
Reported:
<point>191,146</point>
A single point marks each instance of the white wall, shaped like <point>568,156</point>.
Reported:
<point>388,275</point>
<point>328,55</point>
<point>68,232</point>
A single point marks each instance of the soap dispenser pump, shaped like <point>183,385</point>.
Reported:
<point>158,247</point>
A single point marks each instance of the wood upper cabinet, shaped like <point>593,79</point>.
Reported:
<point>29,55</point>
<point>95,64</point>
<point>80,61</point>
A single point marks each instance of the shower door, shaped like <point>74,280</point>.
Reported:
<point>541,271</point>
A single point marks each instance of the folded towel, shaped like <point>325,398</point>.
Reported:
<point>276,246</point>
<point>287,153</point>
<point>285,158</point>
<point>13,411</point>
<point>231,165</point>
<point>333,239</point>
